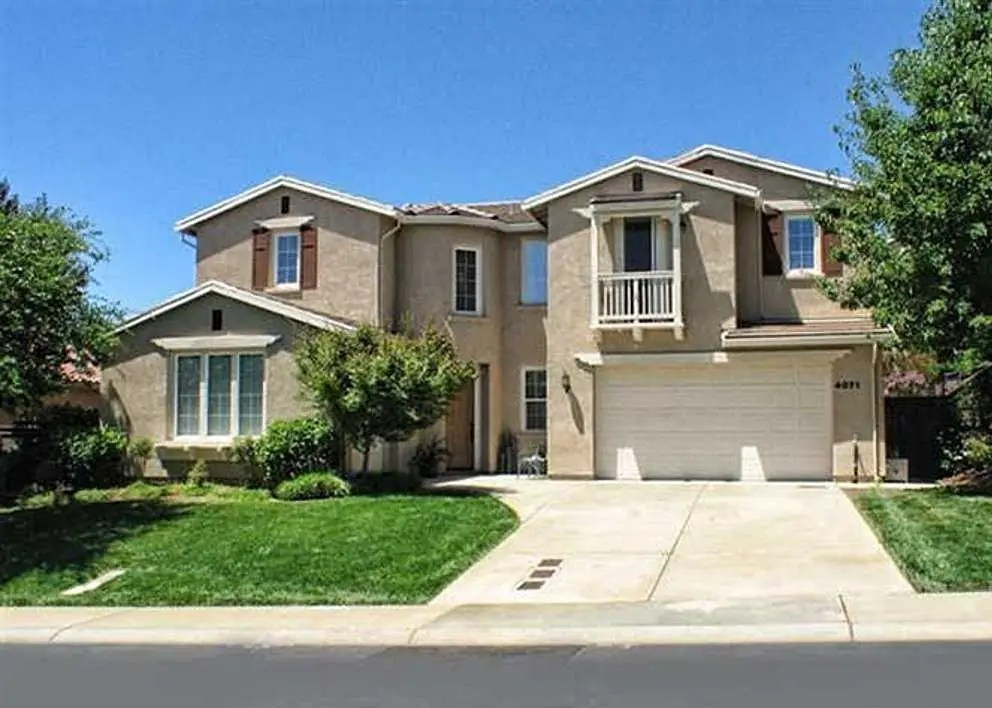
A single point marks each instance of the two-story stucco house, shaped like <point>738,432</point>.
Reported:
<point>652,319</point>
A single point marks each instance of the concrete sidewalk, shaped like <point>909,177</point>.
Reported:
<point>842,618</point>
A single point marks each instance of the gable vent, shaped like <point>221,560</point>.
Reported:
<point>284,205</point>
<point>637,182</point>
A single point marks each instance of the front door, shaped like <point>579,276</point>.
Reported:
<point>459,429</point>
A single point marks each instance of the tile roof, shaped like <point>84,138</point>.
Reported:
<point>506,212</point>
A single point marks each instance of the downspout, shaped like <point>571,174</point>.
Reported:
<point>383,237</point>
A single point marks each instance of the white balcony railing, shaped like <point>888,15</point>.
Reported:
<point>645,297</point>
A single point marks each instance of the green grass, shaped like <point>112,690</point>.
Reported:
<point>238,549</point>
<point>942,542</point>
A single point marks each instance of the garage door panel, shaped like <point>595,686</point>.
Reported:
<point>713,422</point>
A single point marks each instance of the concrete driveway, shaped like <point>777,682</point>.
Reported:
<point>635,541</point>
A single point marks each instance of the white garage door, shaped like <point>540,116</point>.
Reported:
<point>714,421</point>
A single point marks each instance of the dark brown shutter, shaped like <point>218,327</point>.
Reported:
<point>308,258</point>
<point>832,268</point>
<point>771,244</point>
<point>260,259</point>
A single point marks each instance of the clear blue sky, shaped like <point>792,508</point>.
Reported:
<point>138,113</point>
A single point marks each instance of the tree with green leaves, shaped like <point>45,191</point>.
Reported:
<point>917,224</point>
<point>49,319</point>
<point>377,386</point>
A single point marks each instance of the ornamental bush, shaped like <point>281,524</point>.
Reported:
<point>312,485</point>
<point>289,448</point>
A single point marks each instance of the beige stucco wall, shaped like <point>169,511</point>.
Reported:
<point>772,297</point>
<point>423,293</point>
<point>523,345</point>
<point>709,294</point>
<point>857,412</point>
<point>347,250</point>
<point>137,386</point>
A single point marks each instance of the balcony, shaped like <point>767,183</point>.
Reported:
<point>644,298</point>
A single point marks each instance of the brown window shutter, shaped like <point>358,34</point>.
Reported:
<point>308,258</point>
<point>260,259</point>
<point>771,244</point>
<point>832,268</point>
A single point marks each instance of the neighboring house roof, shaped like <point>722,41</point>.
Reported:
<point>764,163</point>
<point>76,372</point>
<point>648,165</point>
<point>189,222</point>
<point>248,297</point>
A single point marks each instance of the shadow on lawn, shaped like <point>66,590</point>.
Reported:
<point>69,537</point>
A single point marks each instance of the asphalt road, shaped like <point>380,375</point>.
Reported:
<point>803,676</point>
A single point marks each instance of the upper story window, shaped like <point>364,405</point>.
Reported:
<point>286,260</point>
<point>534,272</point>
<point>218,395</point>
<point>467,281</point>
<point>801,244</point>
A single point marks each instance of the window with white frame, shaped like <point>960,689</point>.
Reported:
<point>801,243</point>
<point>535,399</point>
<point>534,272</point>
<point>286,260</point>
<point>467,281</point>
<point>219,395</point>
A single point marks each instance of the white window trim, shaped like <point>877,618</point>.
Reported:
<point>523,271</point>
<point>275,260</point>
<point>202,437</point>
<point>524,400</point>
<point>479,289</point>
<point>817,268</point>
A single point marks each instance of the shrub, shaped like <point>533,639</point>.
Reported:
<point>244,452</point>
<point>373,483</point>
<point>312,485</point>
<point>428,456</point>
<point>197,475</point>
<point>289,448</point>
<point>90,458</point>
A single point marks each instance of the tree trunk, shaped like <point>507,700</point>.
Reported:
<point>366,454</point>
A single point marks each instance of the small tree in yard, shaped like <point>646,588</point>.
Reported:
<point>917,225</point>
<point>376,386</point>
<point>48,318</point>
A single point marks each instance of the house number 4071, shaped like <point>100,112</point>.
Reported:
<point>847,385</point>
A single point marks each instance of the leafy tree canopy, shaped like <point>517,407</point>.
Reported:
<point>376,386</point>
<point>917,227</point>
<point>48,318</point>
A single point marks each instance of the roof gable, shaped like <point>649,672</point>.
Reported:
<point>252,299</point>
<point>762,163</point>
<point>188,222</point>
<point>642,163</point>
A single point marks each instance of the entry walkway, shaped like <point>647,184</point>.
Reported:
<point>610,541</point>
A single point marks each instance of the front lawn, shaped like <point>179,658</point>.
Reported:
<point>245,549</point>
<point>942,542</point>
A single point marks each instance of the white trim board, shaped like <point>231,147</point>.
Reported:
<point>763,163</point>
<point>642,163</point>
<point>220,342</point>
<point>188,222</point>
<point>247,297</point>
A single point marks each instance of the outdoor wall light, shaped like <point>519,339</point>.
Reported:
<point>566,383</point>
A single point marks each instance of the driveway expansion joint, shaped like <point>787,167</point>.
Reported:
<point>678,538</point>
